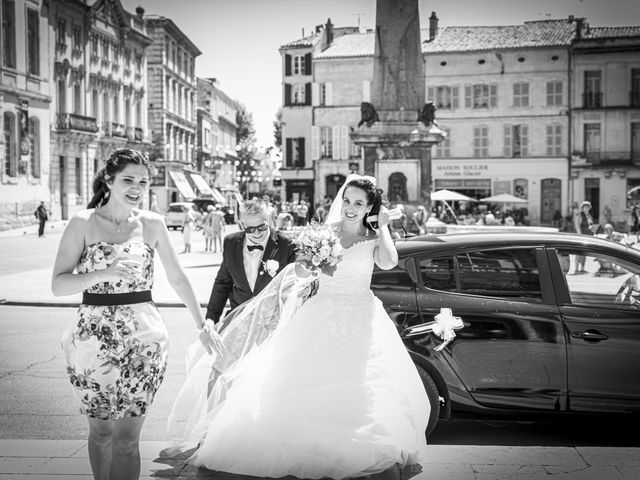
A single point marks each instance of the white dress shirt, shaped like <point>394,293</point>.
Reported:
<point>251,260</point>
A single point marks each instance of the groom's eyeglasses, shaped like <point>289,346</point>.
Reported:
<point>259,228</point>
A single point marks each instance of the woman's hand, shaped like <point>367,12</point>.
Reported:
<point>383,218</point>
<point>211,340</point>
<point>121,269</point>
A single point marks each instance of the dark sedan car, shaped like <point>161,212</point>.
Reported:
<point>539,334</point>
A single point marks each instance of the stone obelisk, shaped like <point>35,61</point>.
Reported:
<point>394,131</point>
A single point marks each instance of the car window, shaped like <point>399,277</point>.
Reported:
<point>500,273</point>
<point>438,273</point>
<point>395,277</point>
<point>509,273</point>
<point>176,208</point>
<point>596,279</point>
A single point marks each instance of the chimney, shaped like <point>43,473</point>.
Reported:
<point>571,18</point>
<point>579,25</point>
<point>433,26</point>
<point>140,11</point>
<point>329,31</point>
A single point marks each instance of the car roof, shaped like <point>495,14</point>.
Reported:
<point>452,241</point>
<point>181,203</point>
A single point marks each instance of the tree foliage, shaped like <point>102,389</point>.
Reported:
<point>277,129</point>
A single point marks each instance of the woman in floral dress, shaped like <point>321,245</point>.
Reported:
<point>116,349</point>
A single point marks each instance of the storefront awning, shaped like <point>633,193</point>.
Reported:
<point>218,196</point>
<point>201,185</point>
<point>182,185</point>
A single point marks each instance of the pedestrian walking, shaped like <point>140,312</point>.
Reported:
<point>115,351</point>
<point>42,216</point>
<point>584,225</point>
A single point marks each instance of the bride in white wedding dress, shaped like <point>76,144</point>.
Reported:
<point>332,392</point>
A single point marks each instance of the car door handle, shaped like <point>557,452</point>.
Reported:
<point>590,335</point>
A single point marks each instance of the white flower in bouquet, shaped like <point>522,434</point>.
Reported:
<point>319,248</point>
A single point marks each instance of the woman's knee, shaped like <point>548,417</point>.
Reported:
<point>126,436</point>
<point>100,431</point>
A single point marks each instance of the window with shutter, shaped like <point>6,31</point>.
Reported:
<point>328,92</point>
<point>300,162</point>
<point>315,143</point>
<point>344,142</point>
<point>493,95</point>
<point>524,140</point>
<point>467,96</point>
<point>326,142</point>
<point>454,97</point>
<point>307,94</point>
<point>481,141</point>
<point>507,140</point>
<point>289,152</point>
<point>431,95</point>
<point>315,94</point>
<point>336,142</point>
<point>287,95</point>
<point>287,65</point>
<point>307,64</point>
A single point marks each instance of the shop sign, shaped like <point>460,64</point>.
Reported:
<point>460,169</point>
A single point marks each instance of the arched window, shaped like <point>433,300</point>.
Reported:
<point>34,139</point>
<point>10,159</point>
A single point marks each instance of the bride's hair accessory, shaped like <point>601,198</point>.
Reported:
<point>318,248</point>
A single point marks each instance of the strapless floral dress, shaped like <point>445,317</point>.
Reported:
<point>116,355</point>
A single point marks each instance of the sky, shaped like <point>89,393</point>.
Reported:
<point>239,39</point>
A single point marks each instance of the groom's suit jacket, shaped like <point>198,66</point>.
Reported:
<point>231,282</point>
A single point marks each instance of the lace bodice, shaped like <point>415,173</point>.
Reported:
<point>100,255</point>
<point>353,273</point>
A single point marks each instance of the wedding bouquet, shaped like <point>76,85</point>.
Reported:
<point>319,248</point>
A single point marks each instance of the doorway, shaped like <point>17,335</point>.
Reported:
<point>592,194</point>
<point>551,199</point>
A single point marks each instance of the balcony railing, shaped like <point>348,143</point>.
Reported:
<point>592,100</point>
<point>72,121</point>
<point>613,157</point>
<point>118,130</point>
<point>634,98</point>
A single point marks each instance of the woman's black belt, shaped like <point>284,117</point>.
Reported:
<point>116,298</point>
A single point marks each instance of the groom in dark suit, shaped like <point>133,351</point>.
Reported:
<point>245,254</point>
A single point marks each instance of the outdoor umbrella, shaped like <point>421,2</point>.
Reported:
<point>504,198</point>
<point>449,196</point>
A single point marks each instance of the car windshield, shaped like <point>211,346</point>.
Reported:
<point>176,208</point>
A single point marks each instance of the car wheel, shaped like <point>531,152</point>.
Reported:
<point>434,399</point>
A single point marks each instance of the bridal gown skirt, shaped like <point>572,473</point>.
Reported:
<point>333,393</point>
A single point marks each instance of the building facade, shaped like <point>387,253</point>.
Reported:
<point>172,109</point>
<point>25,96</point>
<point>98,93</point>
<point>605,120</point>
<point>222,155</point>
<point>507,97</point>
<point>502,95</point>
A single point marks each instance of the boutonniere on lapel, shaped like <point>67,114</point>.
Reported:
<point>271,267</point>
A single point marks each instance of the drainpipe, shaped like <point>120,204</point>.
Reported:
<point>570,91</point>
